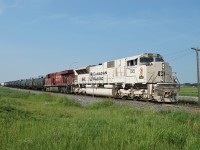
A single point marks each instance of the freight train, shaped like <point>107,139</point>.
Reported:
<point>142,77</point>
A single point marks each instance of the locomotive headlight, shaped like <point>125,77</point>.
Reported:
<point>163,65</point>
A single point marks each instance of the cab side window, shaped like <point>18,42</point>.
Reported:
<point>132,62</point>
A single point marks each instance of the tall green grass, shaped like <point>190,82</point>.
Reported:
<point>188,91</point>
<point>43,121</point>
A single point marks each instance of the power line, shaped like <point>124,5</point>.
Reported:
<point>178,55</point>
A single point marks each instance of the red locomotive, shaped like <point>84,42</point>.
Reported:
<point>59,81</point>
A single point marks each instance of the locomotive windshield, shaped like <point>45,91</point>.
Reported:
<point>159,59</point>
<point>146,59</point>
<point>151,59</point>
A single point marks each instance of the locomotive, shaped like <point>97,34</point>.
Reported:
<point>142,77</point>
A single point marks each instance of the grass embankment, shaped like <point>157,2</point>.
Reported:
<point>188,91</point>
<point>29,121</point>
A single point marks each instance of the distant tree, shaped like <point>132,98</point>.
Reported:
<point>187,84</point>
<point>194,84</point>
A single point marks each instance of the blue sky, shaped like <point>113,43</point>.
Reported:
<point>43,36</point>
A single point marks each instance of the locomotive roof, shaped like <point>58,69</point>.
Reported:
<point>131,57</point>
<point>143,54</point>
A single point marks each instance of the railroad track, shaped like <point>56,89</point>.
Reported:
<point>85,100</point>
<point>185,106</point>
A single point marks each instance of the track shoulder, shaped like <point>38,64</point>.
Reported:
<point>85,100</point>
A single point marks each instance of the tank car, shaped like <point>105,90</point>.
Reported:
<point>144,77</point>
<point>10,84</point>
<point>23,83</point>
<point>38,83</point>
<point>29,83</point>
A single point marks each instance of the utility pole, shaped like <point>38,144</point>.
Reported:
<point>197,60</point>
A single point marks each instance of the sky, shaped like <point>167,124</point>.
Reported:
<point>38,37</point>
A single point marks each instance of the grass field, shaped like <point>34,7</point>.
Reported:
<point>29,121</point>
<point>188,91</point>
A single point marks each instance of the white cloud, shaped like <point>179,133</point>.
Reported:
<point>9,4</point>
<point>2,8</point>
<point>96,20</point>
<point>103,20</point>
<point>48,18</point>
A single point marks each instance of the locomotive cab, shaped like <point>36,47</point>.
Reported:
<point>159,78</point>
<point>148,76</point>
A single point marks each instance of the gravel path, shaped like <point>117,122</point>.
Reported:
<point>159,106</point>
<point>85,100</point>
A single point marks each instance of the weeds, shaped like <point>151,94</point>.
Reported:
<point>43,121</point>
<point>188,102</point>
<point>100,105</point>
<point>188,91</point>
<point>69,102</point>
